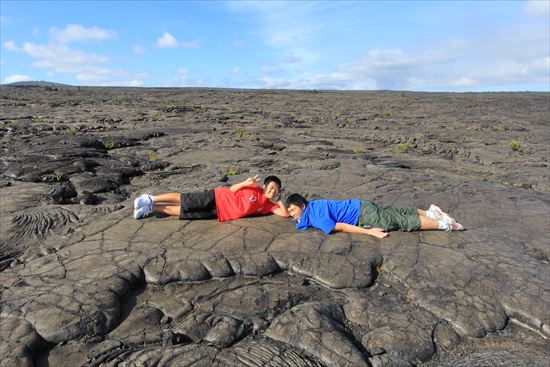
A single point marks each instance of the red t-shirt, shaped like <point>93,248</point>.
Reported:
<point>247,201</point>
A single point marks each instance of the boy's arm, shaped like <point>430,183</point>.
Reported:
<point>247,182</point>
<point>350,228</point>
<point>281,210</point>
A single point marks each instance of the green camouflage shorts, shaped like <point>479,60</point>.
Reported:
<point>388,218</point>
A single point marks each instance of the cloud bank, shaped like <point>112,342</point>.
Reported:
<point>57,57</point>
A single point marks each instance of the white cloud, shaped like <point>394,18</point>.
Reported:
<point>235,70</point>
<point>272,83</point>
<point>17,78</point>
<point>77,32</point>
<point>60,58</point>
<point>10,45</point>
<point>335,80</point>
<point>520,43</point>
<point>167,41</point>
<point>92,75</point>
<point>110,77</point>
<point>86,67</point>
<point>538,8</point>
<point>464,82</point>
<point>291,58</point>
<point>302,32</point>
<point>139,50</point>
<point>509,59</point>
<point>182,79</point>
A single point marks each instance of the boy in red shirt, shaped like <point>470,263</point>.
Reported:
<point>225,203</point>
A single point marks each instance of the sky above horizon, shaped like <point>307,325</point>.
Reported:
<point>347,45</point>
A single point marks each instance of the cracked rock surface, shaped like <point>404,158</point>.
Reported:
<point>84,284</point>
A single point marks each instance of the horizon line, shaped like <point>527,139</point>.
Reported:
<point>45,83</point>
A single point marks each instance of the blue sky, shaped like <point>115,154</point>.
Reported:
<point>398,45</point>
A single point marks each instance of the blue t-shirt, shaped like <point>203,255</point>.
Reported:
<point>324,214</point>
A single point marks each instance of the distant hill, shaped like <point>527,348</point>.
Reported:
<point>38,83</point>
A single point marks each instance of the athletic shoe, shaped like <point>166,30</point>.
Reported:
<point>441,215</point>
<point>142,212</point>
<point>455,227</point>
<point>142,201</point>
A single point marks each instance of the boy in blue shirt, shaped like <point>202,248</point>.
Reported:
<point>361,216</point>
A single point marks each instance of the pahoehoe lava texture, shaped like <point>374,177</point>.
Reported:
<point>32,224</point>
<point>39,222</point>
<point>84,284</point>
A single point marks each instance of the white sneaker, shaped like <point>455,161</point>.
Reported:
<point>455,227</point>
<point>142,201</point>
<point>441,215</point>
<point>142,212</point>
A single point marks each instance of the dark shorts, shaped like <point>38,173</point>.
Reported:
<point>198,205</point>
<point>388,218</point>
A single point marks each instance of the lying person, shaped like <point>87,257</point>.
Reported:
<point>361,216</point>
<point>225,203</point>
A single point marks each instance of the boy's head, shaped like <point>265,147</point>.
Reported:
<point>295,205</point>
<point>272,187</point>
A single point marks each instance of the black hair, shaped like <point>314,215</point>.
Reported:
<point>275,179</point>
<point>296,199</point>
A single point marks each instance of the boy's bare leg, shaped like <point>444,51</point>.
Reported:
<point>173,210</point>
<point>427,224</point>
<point>171,197</point>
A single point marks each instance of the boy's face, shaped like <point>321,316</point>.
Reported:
<point>295,211</point>
<point>271,190</point>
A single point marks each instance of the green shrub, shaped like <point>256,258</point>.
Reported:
<point>358,150</point>
<point>109,145</point>
<point>339,112</point>
<point>152,156</point>
<point>70,131</point>
<point>385,114</point>
<point>515,145</point>
<point>243,134</point>
<point>404,147</point>
<point>230,172</point>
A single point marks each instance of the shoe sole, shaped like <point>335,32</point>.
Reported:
<point>458,227</point>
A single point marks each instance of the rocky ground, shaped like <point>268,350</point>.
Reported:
<point>84,284</point>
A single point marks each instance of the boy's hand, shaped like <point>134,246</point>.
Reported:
<point>240,185</point>
<point>378,232</point>
<point>278,196</point>
<point>251,180</point>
